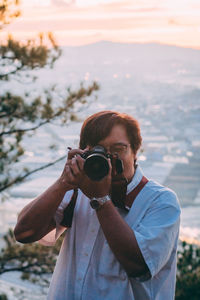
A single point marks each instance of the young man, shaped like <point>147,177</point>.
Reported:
<point>123,238</point>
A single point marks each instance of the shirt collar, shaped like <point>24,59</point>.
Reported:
<point>135,180</point>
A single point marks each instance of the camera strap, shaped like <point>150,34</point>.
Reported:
<point>119,187</point>
<point>122,200</point>
<point>133,194</point>
<point>119,183</point>
<point>118,193</point>
<point>69,211</point>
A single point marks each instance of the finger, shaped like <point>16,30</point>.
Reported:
<point>86,149</point>
<point>73,152</point>
<point>74,166</point>
<point>70,175</point>
<point>80,162</point>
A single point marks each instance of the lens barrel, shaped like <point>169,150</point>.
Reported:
<point>96,164</point>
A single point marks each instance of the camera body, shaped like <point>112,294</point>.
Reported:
<point>96,164</point>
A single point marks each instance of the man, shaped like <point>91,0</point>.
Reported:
<point>124,246</point>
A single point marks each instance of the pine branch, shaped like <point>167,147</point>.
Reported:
<point>21,268</point>
<point>24,130</point>
<point>4,76</point>
<point>69,102</point>
<point>21,178</point>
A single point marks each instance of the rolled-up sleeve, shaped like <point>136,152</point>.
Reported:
<point>50,238</point>
<point>157,232</point>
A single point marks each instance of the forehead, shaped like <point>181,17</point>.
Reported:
<point>117,134</point>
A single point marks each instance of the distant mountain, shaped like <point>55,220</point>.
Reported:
<point>110,50</point>
<point>105,60</point>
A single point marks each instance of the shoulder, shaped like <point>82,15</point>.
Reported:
<point>159,208</point>
<point>163,196</point>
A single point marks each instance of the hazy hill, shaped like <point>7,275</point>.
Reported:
<point>112,50</point>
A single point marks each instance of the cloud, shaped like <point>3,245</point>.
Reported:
<point>139,20</point>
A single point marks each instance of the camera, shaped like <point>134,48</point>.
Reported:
<point>96,164</point>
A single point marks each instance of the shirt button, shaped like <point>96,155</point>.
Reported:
<point>86,254</point>
<point>92,230</point>
<point>79,278</point>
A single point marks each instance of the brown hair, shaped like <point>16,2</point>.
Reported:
<point>98,126</point>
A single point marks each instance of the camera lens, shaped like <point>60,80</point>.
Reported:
<point>96,166</point>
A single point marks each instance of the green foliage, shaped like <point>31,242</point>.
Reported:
<point>188,274</point>
<point>3,297</point>
<point>17,57</point>
<point>20,115</point>
<point>36,262</point>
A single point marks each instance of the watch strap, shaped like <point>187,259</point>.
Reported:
<point>96,203</point>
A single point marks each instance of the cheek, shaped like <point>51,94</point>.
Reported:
<point>128,164</point>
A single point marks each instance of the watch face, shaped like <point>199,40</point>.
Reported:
<point>94,204</point>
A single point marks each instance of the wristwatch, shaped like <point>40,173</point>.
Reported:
<point>97,203</point>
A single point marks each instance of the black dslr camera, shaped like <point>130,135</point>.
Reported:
<point>96,164</point>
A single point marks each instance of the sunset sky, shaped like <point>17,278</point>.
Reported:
<point>78,22</point>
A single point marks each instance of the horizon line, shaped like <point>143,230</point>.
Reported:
<point>132,43</point>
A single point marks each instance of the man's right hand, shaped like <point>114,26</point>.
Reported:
<point>73,171</point>
<point>73,176</point>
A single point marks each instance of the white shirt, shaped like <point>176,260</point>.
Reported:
<point>87,269</point>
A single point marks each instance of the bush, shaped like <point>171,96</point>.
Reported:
<point>188,273</point>
<point>3,297</point>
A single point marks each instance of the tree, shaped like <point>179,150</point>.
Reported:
<point>20,115</point>
<point>188,273</point>
<point>35,262</point>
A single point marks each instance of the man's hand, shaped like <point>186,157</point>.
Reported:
<point>73,170</point>
<point>97,189</point>
<point>74,175</point>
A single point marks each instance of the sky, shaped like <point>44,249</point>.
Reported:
<point>79,22</point>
